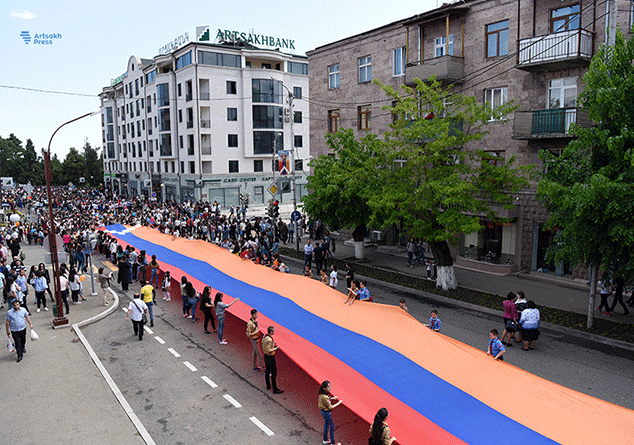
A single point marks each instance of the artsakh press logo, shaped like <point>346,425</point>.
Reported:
<point>26,36</point>
<point>40,39</point>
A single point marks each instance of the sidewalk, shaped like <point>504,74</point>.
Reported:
<point>546,290</point>
<point>57,394</point>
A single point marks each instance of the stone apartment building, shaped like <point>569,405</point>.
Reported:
<point>531,52</point>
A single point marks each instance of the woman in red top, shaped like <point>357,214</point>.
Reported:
<point>510,314</point>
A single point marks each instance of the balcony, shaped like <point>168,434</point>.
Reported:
<point>548,124</point>
<point>204,96</point>
<point>562,50</point>
<point>447,69</point>
<point>205,123</point>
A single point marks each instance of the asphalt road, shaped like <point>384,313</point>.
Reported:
<point>178,406</point>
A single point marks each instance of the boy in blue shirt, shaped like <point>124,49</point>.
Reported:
<point>434,322</point>
<point>496,348</point>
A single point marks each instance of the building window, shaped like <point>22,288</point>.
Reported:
<point>334,121</point>
<point>233,167</point>
<point>267,116</point>
<point>494,158</point>
<point>164,119</point>
<point>495,97</point>
<point>497,39</point>
<point>182,166</point>
<point>232,87</point>
<point>364,117</point>
<point>219,59</point>
<point>258,165</point>
<point>564,19</point>
<point>562,93</point>
<point>441,47</point>
<point>266,90</point>
<point>297,92</point>
<point>298,68</point>
<point>299,165</point>
<point>297,117</point>
<point>398,61</point>
<point>365,69</point>
<point>184,60</point>
<point>192,167</point>
<point>163,90</point>
<point>333,76</point>
<point>299,140</point>
<point>180,141</point>
<point>180,116</point>
<point>232,114</point>
<point>266,142</point>
<point>232,140</point>
<point>180,90</point>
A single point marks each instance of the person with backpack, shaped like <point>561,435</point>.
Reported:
<point>379,430</point>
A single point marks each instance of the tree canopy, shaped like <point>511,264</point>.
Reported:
<point>589,188</point>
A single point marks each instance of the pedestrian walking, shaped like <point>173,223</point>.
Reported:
<point>619,287</point>
<point>529,325</point>
<point>379,430</point>
<point>40,286</point>
<point>308,254</point>
<point>510,317</point>
<point>167,286</point>
<point>17,319</point>
<point>411,250</point>
<point>184,296</point>
<point>207,306</point>
<point>496,348</point>
<point>220,315</point>
<point>253,333</point>
<point>154,274</point>
<point>136,309</point>
<point>192,299</point>
<point>147,294</point>
<point>324,402</point>
<point>270,369</point>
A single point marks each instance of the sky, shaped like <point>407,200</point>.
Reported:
<point>98,38</point>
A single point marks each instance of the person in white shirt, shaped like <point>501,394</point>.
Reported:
<point>136,309</point>
<point>334,281</point>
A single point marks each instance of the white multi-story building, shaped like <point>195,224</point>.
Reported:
<point>206,122</point>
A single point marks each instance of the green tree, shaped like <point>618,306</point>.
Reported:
<point>74,166</point>
<point>589,189</point>
<point>430,179</point>
<point>340,185</point>
<point>93,165</point>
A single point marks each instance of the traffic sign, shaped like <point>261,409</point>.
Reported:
<point>153,194</point>
<point>273,189</point>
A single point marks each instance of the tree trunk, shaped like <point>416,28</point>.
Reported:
<point>446,279</point>
<point>358,235</point>
<point>594,274</point>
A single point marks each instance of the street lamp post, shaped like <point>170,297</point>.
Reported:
<point>59,319</point>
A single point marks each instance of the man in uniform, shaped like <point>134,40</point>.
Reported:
<point>269,347</point>
<point>253,332</point>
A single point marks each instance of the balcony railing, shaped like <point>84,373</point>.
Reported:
<point>205,123</point>
<point>566,49</point>
<point>552,123</point>
<point>205,149</point>
<point>449,69</point>
<point>204,96</point>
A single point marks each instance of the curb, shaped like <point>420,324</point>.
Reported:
<point>474,307</point>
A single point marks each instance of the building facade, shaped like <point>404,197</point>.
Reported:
<point>206,122</point>
<point>531,52</point>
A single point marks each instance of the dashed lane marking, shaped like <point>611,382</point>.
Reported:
<point>148,330</point>
<point>159,339</point>
<point>174,353</point>
<point>262,426</point>
<point>209,381</point>
<point>233,401</point>
<point>191,367</point>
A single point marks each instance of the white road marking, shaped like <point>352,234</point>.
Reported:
<point>174,353</point>
<point>233,401</point>
<point>209,382</point>
<point>124,309</point>
<point>159,339</point>
<point>261,426</point>
<point>191,367</point>
<point>148,330</point>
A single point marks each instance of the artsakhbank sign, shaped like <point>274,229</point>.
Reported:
<point>225,35</point>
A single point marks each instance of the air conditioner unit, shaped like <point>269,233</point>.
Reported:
<point>287,111</point>
<point>198,182</point>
